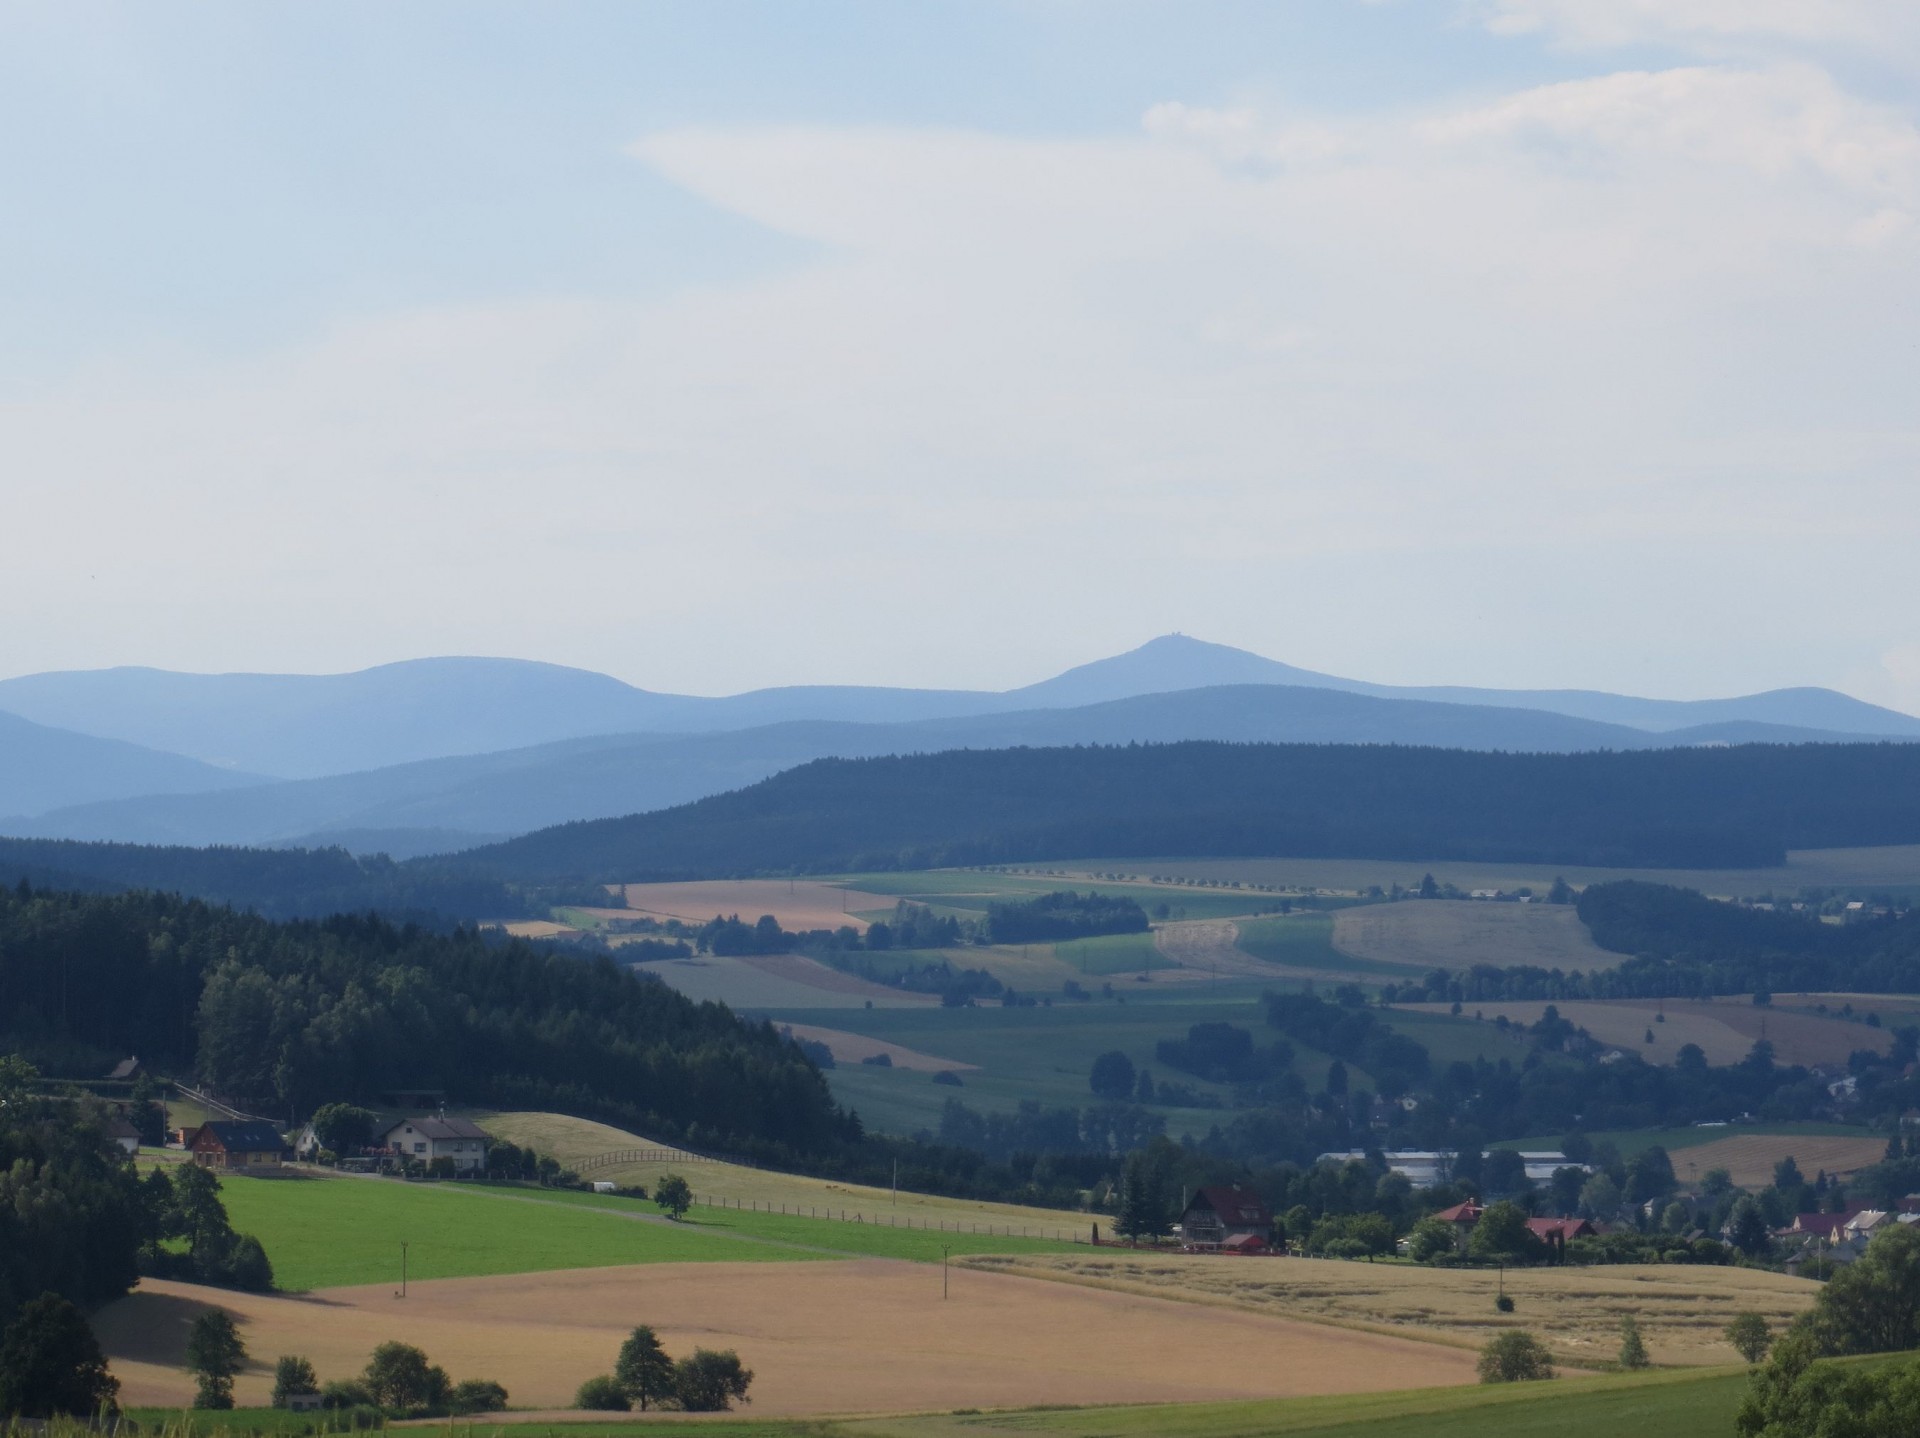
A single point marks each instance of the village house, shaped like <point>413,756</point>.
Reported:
<point>124,1134</point>
<point>1230,1218</point>
<point>1555,1233</point>
<point>423,1140</point>
<point>236,1146</point>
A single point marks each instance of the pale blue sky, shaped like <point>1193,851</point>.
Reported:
<point>717,345</point>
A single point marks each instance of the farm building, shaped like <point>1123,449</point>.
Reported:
<point>1428,1168</point>
<point>1555,1233</point>
<point>124,1134</point>
<point>127,1070</point>
<point>425,1139</point>
<point>1219,1216</point>
<point>236,1146</point>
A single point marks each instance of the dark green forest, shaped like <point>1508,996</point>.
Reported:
<point>286,1016</point>
<point>279,883</point>
<point>1697,808</point>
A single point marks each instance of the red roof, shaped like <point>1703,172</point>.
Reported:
<point>1468,1212</point>
<point>1549,1229</point>
<point>1826,1225</point>
<point>1245,1243</point>
<point>1236,1207</point>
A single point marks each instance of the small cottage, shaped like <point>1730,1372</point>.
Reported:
<point>425,1139</point>
<point>1216,1216</point>
<point>237,1146</point>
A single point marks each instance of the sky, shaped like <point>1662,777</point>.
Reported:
<point>718,345</point>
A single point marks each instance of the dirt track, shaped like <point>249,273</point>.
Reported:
<point>865,1336</point>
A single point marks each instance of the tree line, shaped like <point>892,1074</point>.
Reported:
<point>1683,808</point>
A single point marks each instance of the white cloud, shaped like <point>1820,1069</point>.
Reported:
<point>1887,27</point>
<point>1431,396</point>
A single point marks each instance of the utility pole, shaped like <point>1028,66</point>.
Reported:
<point>896,1183</point>
<point>403,1270</point>
<point>944,1251</point>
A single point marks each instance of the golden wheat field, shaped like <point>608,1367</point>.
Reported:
<point>871,1335</point>
<point>1681,1309</point>
<point>1750,1157</point>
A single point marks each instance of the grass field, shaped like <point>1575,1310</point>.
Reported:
<point>972,891</point>
<point>1427,934</point>
<point>799,904</point>
<point>1303,946</point>
<point>1576,1311</point>
<point>1042,1053</point>
<point>574,1140</point>
<point>1892,868</point>
<point>1725,1029</point>
<point>326,1232</point>
<point>1676,1140</point>
<point>780,981</point>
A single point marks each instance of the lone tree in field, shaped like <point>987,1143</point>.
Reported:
<point>292,1375</point>
<point>709,1381</point>
<point>401,1380</point>
<point>1515,1356</point>
<point>1750,1336</point>
<point>643,1370</point>
<point>1633,1348</point>
<point>51,1364</point>
<point>1112,1076</point>
<point>215,1355</point>
<point>673,1195</point>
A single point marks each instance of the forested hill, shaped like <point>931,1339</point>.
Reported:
<point>282,1017</point>
<point>278,883</point>
<point>1693,808</point>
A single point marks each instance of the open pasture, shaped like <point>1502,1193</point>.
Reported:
<point>1750,1157</point>
<point>851,1048</point>
<point>1724,1028</point>
<point>1577,1311</point>
<point>758,982</point>
<point>973,891</point>
<point>1887,868</point>
<point>799,904</point>
<point>1301,946</point>
<point>866,1336</point>
<point>572,1141</point>
<point>1427,934</point>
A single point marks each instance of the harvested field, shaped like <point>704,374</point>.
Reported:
<point>1457,934</point>
<point>856,1048</point>
<point>1750,1157</point>
<point>1725,1028</point>
<point>574,1140</point>
<point>1576,1310</point>
<point>539,929</point>
<point>778,981</point>
<point>798,904</point>
<point>868,1336</point>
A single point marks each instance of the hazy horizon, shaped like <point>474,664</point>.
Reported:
<point>719,346</point>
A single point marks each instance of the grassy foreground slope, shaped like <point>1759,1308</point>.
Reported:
<point>340,1232</point>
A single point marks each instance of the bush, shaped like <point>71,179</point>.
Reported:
<point>1633,1348</point>
<point>477,1395</point>
<point>948,1077</point>
<point>709,1381</point>
<point>1504,1303</point>
<point>602,1394</point>
<point>1515,1356</point>
<point>291,1375</point>
<point>346,1393</point>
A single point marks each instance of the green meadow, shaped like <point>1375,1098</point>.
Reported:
<point>337,1232</point>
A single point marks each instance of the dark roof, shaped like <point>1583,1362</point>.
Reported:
<point>438,1128</point>
<point>1236,1207</point>
<point>118,1127</point>
<point>125,1069</point>
<point>243,1136</point>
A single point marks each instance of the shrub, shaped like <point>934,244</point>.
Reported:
<point>346,1393</point>
<point>1515,1356</point>
<point>948,1077</point>
<point>708,1381</point>
<point>292,1374</point>
<point>477,1395</point>
<point>1633,1349</point>
<point>1504,1303</point>
<point>602,1394</point>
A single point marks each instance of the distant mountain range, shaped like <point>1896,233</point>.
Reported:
<point>439,754</point>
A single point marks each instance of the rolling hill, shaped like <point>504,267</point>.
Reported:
<point>46,768</point>
<point>1704,808</point>
<point>295,726</point>
<point>441,805</point>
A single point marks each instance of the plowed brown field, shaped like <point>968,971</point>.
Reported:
<point>869,1336</point>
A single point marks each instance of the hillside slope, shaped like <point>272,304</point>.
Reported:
<point>1701,808</point>
<point>44,768</point>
